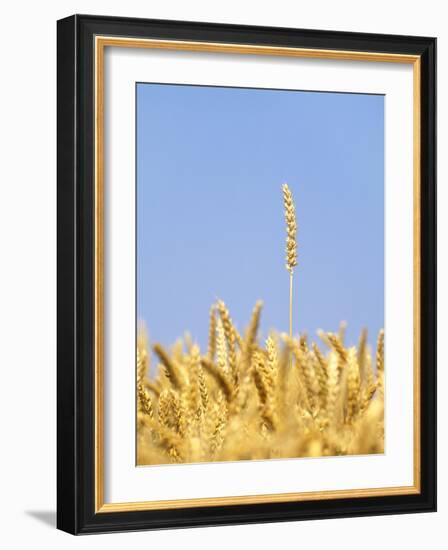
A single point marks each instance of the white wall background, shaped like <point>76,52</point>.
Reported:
<point>28,270</point>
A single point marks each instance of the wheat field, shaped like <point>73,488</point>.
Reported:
<point>243,399</point>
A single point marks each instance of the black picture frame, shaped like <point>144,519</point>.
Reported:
<point>76,271</point>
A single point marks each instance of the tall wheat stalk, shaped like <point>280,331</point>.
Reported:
<point>291,243</point>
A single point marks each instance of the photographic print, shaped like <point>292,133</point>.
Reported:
<point>260,273</point>
<point>246,274</point>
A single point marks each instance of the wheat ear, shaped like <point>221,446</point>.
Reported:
<point>170,369</point>
<point>229,332</point>
<point>220,378</point>
<point>212,334</point>
<point>291,242</point>
<point>250,338</point>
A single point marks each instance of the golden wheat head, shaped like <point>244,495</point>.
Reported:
<point>291,229</point>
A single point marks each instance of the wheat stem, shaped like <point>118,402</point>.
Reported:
<point>291,242</point>
<point>290,305</point>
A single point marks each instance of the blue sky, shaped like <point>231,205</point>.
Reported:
<point>210,223</point>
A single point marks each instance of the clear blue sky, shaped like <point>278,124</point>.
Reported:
<point>210,223</point>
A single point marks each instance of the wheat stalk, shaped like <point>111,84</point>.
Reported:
<point>251,334</point>
<point>229,332</point>
<point>212,334</point>
<point>291,243</point>
<point>220,378</point>
<point>168,363</point>
<point>144,401</point>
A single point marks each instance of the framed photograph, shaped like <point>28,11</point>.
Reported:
<point>246,274</point>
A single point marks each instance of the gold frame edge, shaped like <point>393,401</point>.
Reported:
<point>101,42</point>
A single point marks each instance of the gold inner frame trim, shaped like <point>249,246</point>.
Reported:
<point>101,42</point>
